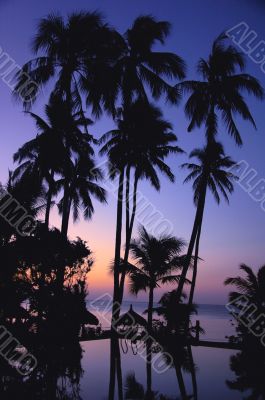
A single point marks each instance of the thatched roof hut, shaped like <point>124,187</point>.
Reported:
<point>131,319</point>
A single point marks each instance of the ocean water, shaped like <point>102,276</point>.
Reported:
<point>212,373</point>
<point>214,319</point>
<point>212,365</point>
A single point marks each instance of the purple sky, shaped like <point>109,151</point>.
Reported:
<point>230,235</point>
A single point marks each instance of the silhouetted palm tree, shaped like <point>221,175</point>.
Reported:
<point>82,178</point>
<point>174,313</point>
<point>219,94</point>
<point>29,194</point>
<point>41,157</point>
<point>50,152</point>
<point>140,67</point>
<point>142,142</point>
<point>71,52</point>
<point>155,261</point>
<point>211,172</point>
<point>252,286</point>
<point>248,368</point>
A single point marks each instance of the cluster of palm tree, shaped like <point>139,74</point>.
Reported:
<point>91,67</point>
<point>94,67</point>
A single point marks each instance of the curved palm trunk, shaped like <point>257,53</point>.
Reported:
<point>129,229</point>
<point>195,267</point>
<point>196,226</point>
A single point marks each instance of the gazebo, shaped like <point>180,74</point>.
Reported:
<point>87,318</point>
<point>131,321</point>
<point>132,327</point>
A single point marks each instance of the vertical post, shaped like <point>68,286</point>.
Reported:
<point>197,330</point>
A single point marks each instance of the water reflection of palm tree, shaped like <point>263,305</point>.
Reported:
<point>248,367</point>
<point>115,369</point>
<point>180,358</point>
<point>57,375</point>
<point>135,390</point>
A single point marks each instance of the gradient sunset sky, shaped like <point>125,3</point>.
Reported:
<point>231,234</point>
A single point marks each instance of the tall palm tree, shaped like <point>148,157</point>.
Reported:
<point>49,153</point>
<point>156,261</point>
<point>82,180</point>
<point>143,140</point>
<point>220,93</point>
<point>70,52</point>
<point>140,66</point>
<point>30,194</point>
<point>211,172</point>
<point>41,157</point>
<point>252,285</point>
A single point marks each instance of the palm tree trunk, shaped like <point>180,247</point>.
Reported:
<point>149,343</point>
<point>115,302</point>
<point>116,305</point>
<point>148,369</point>
<point>150,309</point>
<point>64,230</point>
<point>112,369</point>
<point>195,267</point>
<point>49,201</point>
<point>66,210</point>
<point>119,371</point>
<point>129,236</point>
<point>180,379</point>
<point>196,225</point>
<point>193,374</point>
<point>115,366</point>
<point>127,201</point>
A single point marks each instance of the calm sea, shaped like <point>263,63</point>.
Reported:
<point>213,365</point>
<point>214,319</point>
